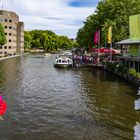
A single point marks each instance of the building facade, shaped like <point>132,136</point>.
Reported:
<point>14,32</point>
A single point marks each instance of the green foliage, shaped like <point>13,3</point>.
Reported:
<point>138,75</point>
<point>2,35</point>
<point>132,72</point>
<point>65,42</point>
<point>113,13</point>
<point>27,39</point>
<point>47,40</point>
<point>75,45</point>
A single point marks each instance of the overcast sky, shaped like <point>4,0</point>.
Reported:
<point>64,17</point>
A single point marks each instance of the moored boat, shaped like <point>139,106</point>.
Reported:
<point>63,62</point>
<point>47,54</point>
<point>67,53</point>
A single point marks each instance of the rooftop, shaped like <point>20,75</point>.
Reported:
<point>128,42</point>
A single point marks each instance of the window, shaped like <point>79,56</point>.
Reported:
<point>5,52</point>
<point>10,27</point>
<point>10,20</point>
<point>9,40</point>
<point>5,27</point>
<point>14,34</point>
<point>9,47</point>
<point>0,47</point>
<point>14,28</point>
<point>6,20</point>
<point>5,47</point>
<point>1,20</point>
<point>10,34</point>
<point>5,33</point>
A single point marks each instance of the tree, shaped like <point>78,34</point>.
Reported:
<point>28,39</point>
<point>47,40</point>
<point>65,42</point>
<point>110,13</point>
<point>2,35</point>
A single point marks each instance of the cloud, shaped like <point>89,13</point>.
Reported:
<point>60,16</point>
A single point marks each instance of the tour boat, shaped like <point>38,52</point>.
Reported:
<point>63,62</point>
<point>67,53</point>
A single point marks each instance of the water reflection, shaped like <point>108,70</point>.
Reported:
<point>2,73</point>
<point>49,103</point>
<point>107,102</point>
<point>137,126</point>
<point>137,104</point>
<point>138,91</point>
<point>137,131</point>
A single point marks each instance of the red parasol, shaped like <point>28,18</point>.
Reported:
<point>102,50</point>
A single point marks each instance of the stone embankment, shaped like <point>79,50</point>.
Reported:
<point>7,57</point>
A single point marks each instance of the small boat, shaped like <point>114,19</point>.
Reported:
<point>47,54</point>
<point>63,62</point>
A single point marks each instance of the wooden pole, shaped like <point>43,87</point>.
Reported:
<point>111,51</point>
<point>138,57</point>
<point>98,55</point>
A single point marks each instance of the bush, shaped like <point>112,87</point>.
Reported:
<point>138,75</point>
<point>132,72</point>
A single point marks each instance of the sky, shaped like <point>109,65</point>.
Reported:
<point>63,17</point>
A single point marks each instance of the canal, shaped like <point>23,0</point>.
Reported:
<point>47,103</point>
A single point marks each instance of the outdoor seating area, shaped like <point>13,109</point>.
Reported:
<point>127,65</point>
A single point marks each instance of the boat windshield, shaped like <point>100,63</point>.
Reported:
<point>64,61</point>
<point>58,61</point>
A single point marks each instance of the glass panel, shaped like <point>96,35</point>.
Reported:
<point>1,20</point>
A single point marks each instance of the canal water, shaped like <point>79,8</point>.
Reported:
<point>47,103</point>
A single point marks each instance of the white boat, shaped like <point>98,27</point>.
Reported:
<point>67,53</point>
<point>63,62</point>
<point>47,54</point>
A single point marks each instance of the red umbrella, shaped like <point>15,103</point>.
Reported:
<point>3,108</point>
<point>102,50</point>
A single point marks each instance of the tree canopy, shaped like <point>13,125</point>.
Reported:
<point>47,40</point>
<point>110,13</point>
<point>2,35</point>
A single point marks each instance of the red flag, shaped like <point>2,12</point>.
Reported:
<point>97,37</point>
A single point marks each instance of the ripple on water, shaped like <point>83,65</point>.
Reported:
<point>74,104</point>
